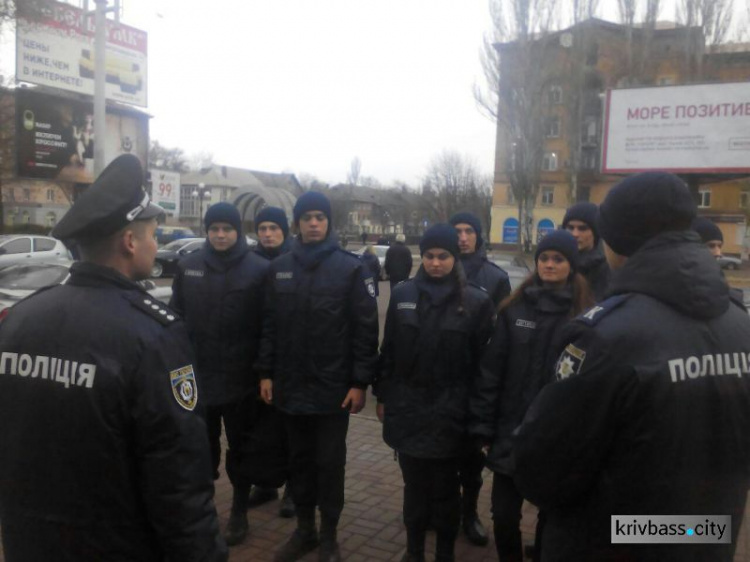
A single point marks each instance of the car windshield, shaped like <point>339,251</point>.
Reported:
<point>176,244</point>
<point>32,277</point>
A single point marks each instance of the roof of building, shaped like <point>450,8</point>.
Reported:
<point>227,176</point>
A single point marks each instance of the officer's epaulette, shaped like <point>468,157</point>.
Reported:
<point>592,316</point>
<point>152,307</point>
<point>736,296</point>
<point>472,284</point>
<point>493,264</point>
<point>347,252</point>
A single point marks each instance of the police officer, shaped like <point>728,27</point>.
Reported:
<point>319,353</point>
<point>272,228</point>
<point>103,455</point>
<point>219,291</point>
<point>398,262</point>
<point>710,234</point>
<point>436,329</point>
<point>651,414</point>
<point>580,220</point>
<point>494,280</point>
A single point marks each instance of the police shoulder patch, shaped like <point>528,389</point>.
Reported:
<point>370,284</point>
<point>153,307</point>
<point>184,387</point>
<point>594,314</point>
<point>570,362</point>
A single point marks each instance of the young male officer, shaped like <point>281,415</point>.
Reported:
<point>493,279</point>
<point>651,414</point>
<point>103,455</point>
<point>580,220</point>
<point>319,353</point>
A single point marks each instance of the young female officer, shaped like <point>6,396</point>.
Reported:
<point>518,362</point>
<point>435,332</point>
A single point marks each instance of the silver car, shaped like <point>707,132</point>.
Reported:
<point>21,248</point>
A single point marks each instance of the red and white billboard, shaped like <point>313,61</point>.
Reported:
<point>56,49</point>
<point>684,129</point>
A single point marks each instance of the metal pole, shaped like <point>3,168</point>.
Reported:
<point>100,80</point>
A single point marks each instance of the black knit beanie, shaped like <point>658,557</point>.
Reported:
<point>586,213</point>
<point>561,241</point>
<point>441,235</point>
<point>707,229</point>
<point>465,217</point>
<point>642,206</point>
<point>312,201</point>
<point>223,212</point>
<point>275,215</point>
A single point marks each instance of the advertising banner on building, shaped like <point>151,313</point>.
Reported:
<point>56,49</point>
<point>55,137</point>
<point>683,129</point>
<point>165,191</point>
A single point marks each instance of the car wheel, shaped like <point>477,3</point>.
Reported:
<point>732,266</point>
<point>157,269</point>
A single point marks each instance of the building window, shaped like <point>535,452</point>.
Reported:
<point>744,198</point>
<point>549,162</point>
<point>552,127</point>
<point>555,95</point>
<point>50,195</point>
<point>548,195</point>
<point>51,220</point>
<point>511,197</point>
<point>27,194</point>
<point>704,198</point>
<point>588,131</point>
<point>589,160</point>
<point>592,54</point>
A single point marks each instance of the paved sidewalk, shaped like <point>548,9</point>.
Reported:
<point>371,528</point>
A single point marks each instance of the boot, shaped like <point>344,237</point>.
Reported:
<point>237,526</point>
<point>329,547</point>
<point>414,546</point>
<point>303,540</point>
<point>444,551</point>
<point>259,496</point>
<point>473,528</point>
<point>287,509</point>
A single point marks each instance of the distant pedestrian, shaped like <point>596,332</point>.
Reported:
<point>398,261</point>
<point>219,291</point>
<point>435,332</point>
<point>103,453</point>
<point>320,340</point>
<point>373,264</point>
<point>364,238</point>
<point>518,363</point>
<point>581,221</point>
<point>651,411</point>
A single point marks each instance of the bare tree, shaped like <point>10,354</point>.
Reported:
<point>164,158</point>
<point>352,178</point>
<point>517,94</point>
<point>201,160</point>
<point>708,22</point>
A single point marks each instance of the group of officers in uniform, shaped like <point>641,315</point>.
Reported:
<point>613,380</point>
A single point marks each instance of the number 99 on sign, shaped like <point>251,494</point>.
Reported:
<point>165,189</point>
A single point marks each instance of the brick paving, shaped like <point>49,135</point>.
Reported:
<point>371,528</point>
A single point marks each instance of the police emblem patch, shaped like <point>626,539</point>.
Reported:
<point>570,362</point>
<point>184,387</point>
<point>370,284</point>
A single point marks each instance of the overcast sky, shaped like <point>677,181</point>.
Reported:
<point>307,85</point>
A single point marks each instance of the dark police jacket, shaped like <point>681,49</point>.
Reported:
<point>398,262</point>
<point>320,328</point>
<point>652,411</point>
<point>482,272</point>
<point>429,364</point>
<point>102,454</point>
<point>221,300</point>
<point>594,267</point>
<point>273,254</point>
<point>516,365</point>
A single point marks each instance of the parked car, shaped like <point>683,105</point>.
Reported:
<point>728,262</point>
<point>166,234</point>
<point>380,251</point>
<point>20,280</point>
<point>17,248</point>
<point>168,256</point>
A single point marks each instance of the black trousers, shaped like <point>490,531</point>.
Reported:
<point>431,493</point>
<point>470,474</point>
<point>238,422</point>
<point>317,450</point>
<point>507,502</point>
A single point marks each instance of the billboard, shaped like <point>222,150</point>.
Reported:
<point>55,137</point>
<point>165,191</point>
<point>56,49</point>
<point>684,129</point>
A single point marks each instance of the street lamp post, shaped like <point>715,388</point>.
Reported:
<point>201,193</point>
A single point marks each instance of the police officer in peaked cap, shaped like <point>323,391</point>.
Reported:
<point>650,414</point>
<point>103,455</point>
